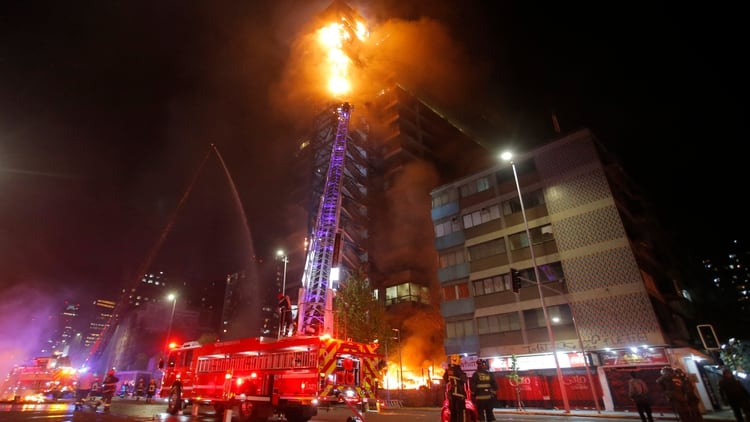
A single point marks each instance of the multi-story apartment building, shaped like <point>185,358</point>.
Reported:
<point>399,149</point>
<point>598,283</point>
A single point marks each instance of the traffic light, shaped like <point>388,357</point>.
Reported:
<point>515,278</point>
<point>708,337</point>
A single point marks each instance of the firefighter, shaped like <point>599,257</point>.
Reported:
<point>454,379</point>
<point>483,387</point>
<point>150,390</point>
<point>85,383</point>
<point>109,385</point>
<point>671,385</point>
<point>140,389</point>
<point>286,320</point>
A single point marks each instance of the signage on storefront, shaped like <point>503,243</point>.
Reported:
<point>640,356</point>
<point>530,362</point>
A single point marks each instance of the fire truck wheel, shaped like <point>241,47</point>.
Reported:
<point>296,415</point>
<point>245,411</point>
<point>174,401</point>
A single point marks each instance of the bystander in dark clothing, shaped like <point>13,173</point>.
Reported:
<point>671,385</point>
<point>483,389</point>
<point>638,392</point>
<point>734,394</point>
<point>455,388</point>
<point>691,397</point>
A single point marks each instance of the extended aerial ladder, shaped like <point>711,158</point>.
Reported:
<point>315,303</point>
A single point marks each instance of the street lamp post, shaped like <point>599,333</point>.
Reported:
<point>400,362</point>
<point>507,156</point>
<point>173,298</point>
<point>285,259</point>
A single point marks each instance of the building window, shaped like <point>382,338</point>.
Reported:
<point>475,186</point>
<point>447,227</point>
<point>407,292</point>
<point>558,315</point>
<point>481,216</point>
<point>483,250</point>
<point>449,259</point>
<point>530,200</point>
<point>498,323</point>
<point>462,328</point>
<point>489,285</point>
<point>547,273</point>
<point>539,235</point>
<point>456,291</point>
<point>446,197</point>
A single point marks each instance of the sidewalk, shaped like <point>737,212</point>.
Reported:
<point>721,415</point>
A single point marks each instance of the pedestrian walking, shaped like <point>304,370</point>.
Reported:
<point>483,389</point>
<point>638,392</point>
<point>735,395</point>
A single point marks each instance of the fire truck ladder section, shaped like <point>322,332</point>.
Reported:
<point>316,279</point>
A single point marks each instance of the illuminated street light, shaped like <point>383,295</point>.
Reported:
<point>285,259</point>
<point>173,298</point>
<point>507,156</point>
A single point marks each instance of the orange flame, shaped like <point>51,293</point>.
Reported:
<point>333,37</point>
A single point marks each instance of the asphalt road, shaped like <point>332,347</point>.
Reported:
<point>128,410</point>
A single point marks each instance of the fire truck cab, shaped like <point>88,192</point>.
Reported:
<point>261,378</point>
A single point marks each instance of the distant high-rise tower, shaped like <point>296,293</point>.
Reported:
<point>103,309</point>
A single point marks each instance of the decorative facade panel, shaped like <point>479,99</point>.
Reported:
<point>578,190</point>
<point>589,228</point>
<point>617,321</point>
<point>604,268</point>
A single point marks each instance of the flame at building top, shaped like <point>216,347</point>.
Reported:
<point>342,27</point>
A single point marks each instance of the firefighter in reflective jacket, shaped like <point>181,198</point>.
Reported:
<point>109,385</point>
<point>483,388</point>
<point>455,389</point>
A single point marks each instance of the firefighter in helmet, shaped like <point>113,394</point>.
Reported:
<point>109,385</point>
<point>286,320</point>
<point>671,385</point>
<point>483,387</point>
<point>455,388</point>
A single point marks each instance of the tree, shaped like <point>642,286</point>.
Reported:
<point>515,379</point>
<point>357,313</point>
<point>736,354</point>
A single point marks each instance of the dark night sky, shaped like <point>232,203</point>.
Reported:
<point>108,108</point>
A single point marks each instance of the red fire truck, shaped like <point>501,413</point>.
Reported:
<point>261,378</point>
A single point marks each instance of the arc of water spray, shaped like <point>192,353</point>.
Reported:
<point>165,231</point>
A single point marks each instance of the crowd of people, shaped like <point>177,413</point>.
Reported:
<point>476,394</point>
<point>97,392</point>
